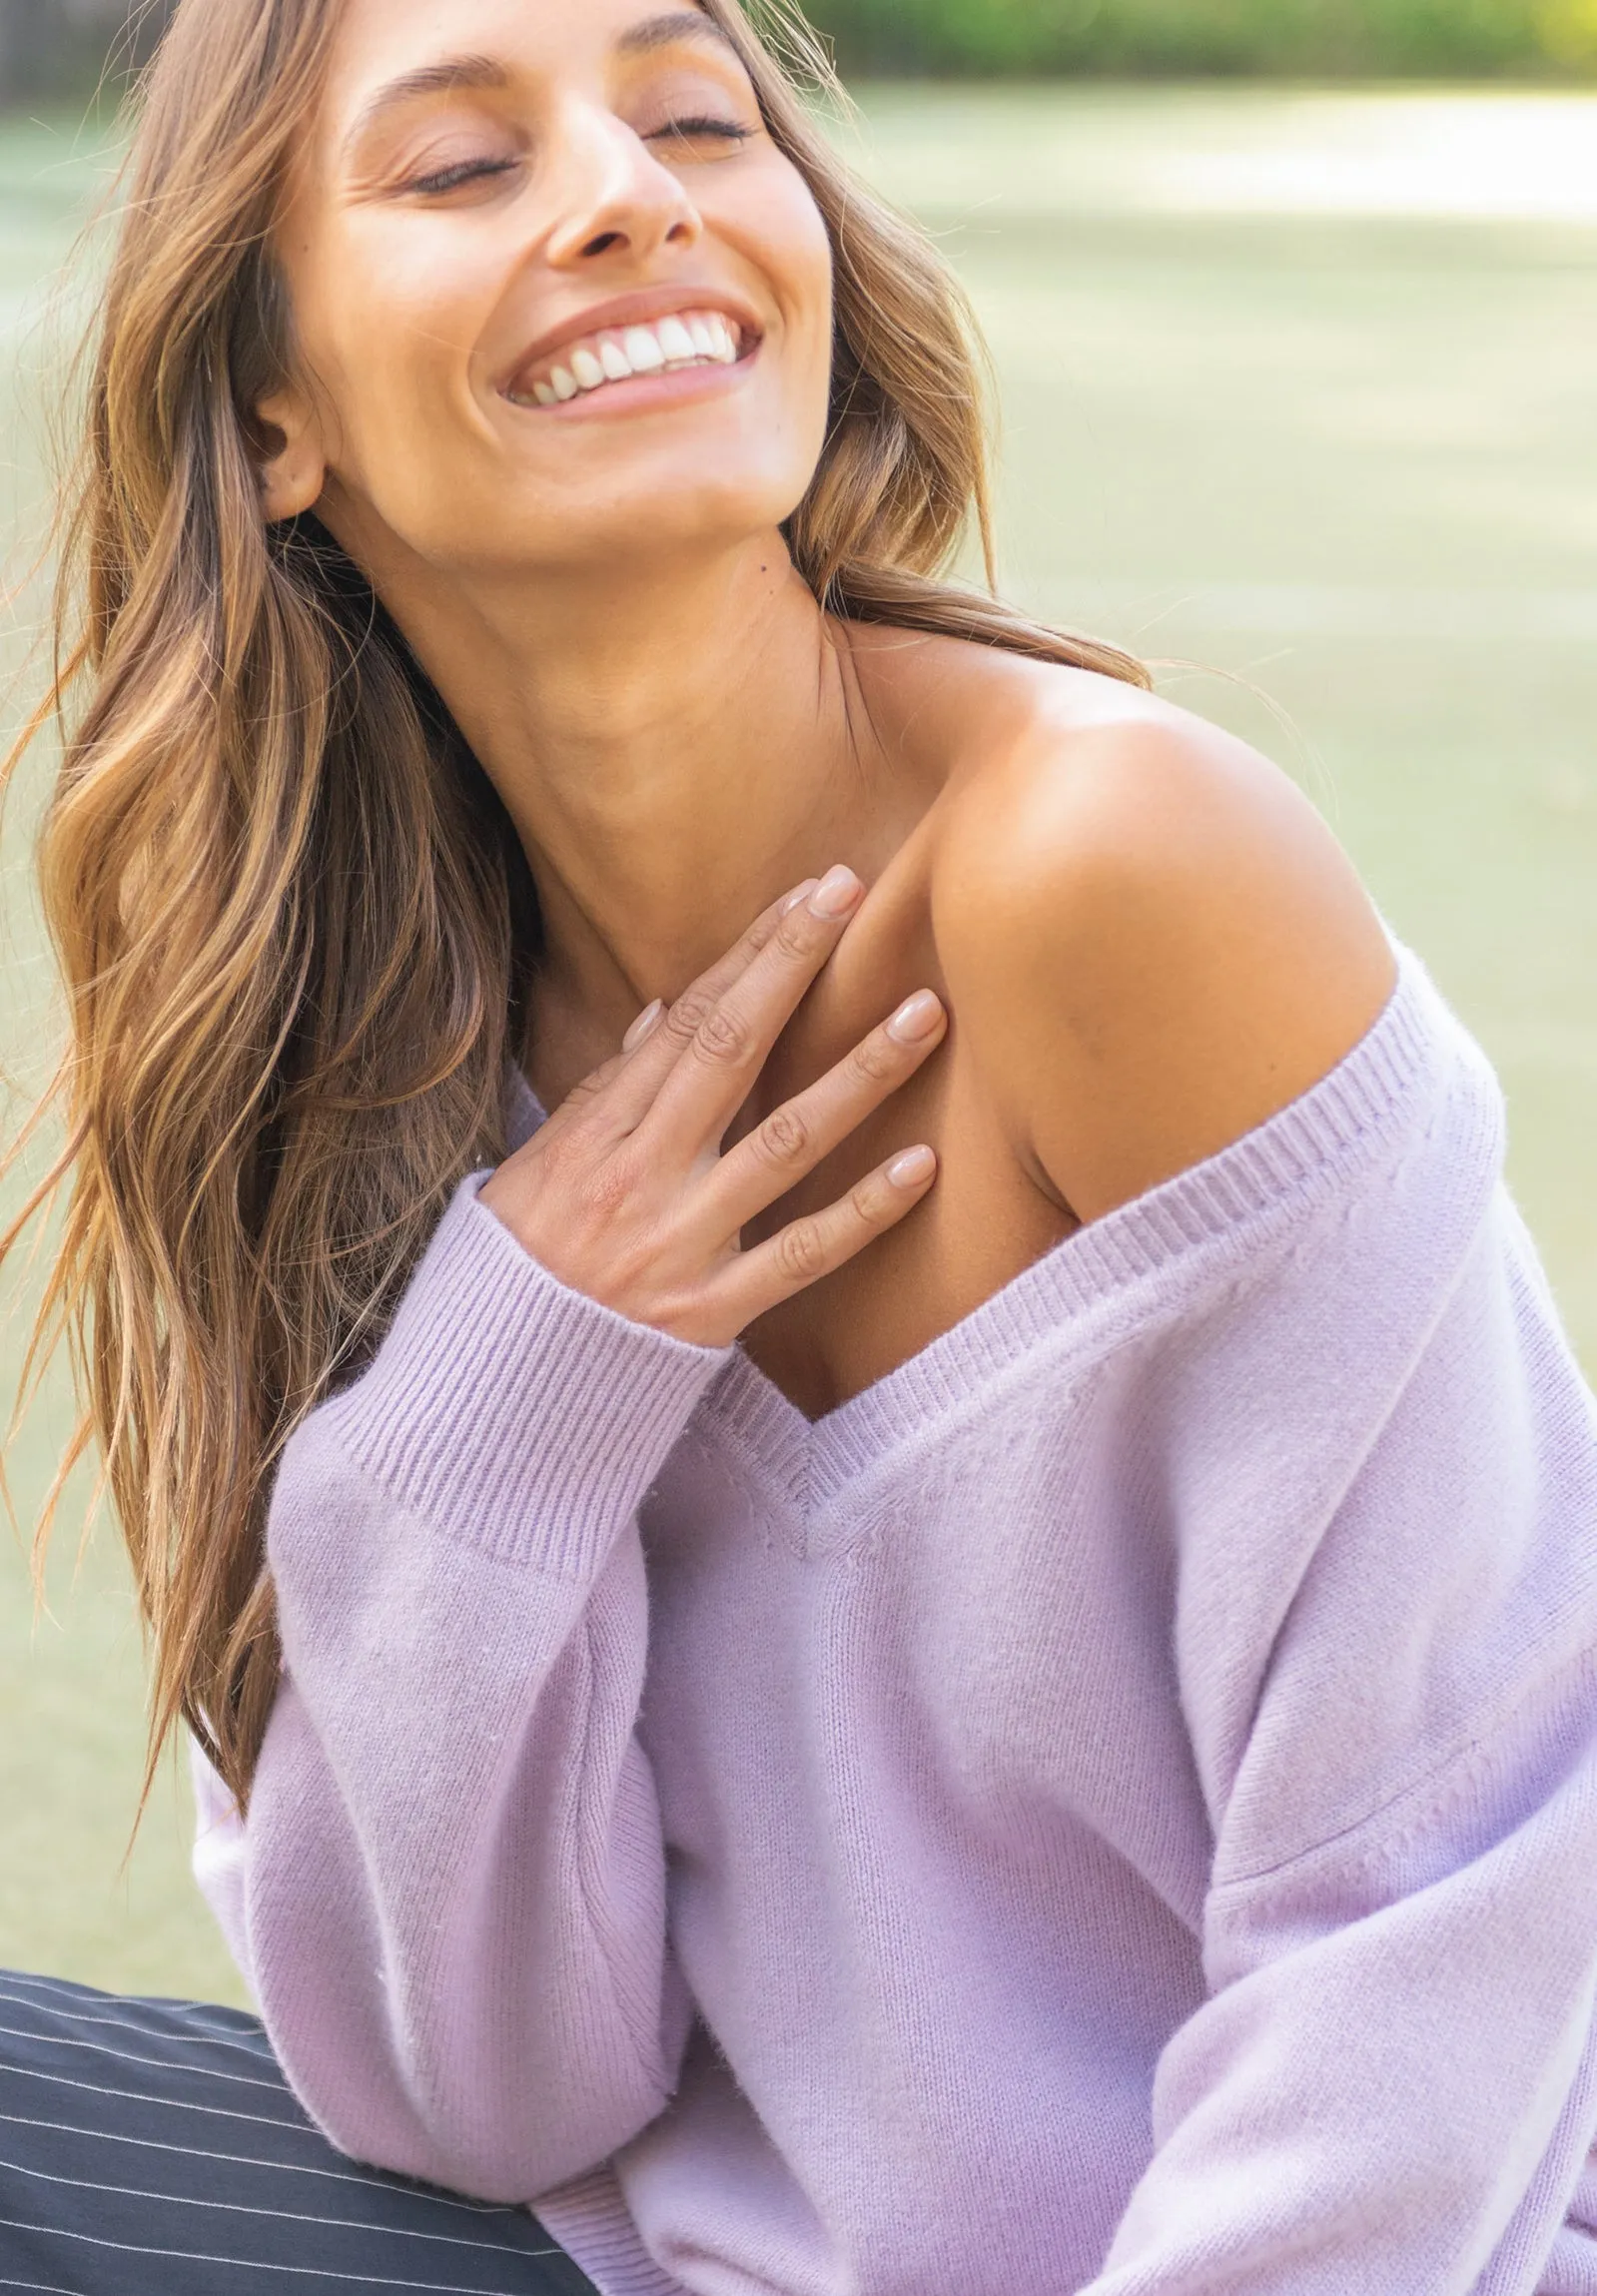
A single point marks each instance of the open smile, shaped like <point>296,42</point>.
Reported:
<point>596,362</point>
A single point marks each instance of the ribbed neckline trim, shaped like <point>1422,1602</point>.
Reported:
<point>1080,1297</point>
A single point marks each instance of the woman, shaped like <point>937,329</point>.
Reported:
<point>940,1638</point>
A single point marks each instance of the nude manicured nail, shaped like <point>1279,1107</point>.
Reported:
<point>914,1166</point>
<point>803,894</point>
<point>644,1025</point>
<point>916,1017</point>
<point>835,895</point>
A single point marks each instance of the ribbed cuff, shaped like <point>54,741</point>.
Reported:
<point>591,2222</point>
<point>510,1411</point>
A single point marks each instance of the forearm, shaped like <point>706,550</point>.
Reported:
<point>1394,2086</point>
<point>453,1882</point>
<point>1390,2087</point>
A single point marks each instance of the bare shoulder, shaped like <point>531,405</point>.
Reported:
<point>1152,939</point>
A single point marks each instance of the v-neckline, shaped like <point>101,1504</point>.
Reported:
<point>1082,1295</point>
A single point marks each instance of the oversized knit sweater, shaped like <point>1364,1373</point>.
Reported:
<point>1113,1808</point>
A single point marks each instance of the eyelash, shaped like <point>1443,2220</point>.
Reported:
<point>467,172</point>
<point>474,171</point>
<point>687,129</point>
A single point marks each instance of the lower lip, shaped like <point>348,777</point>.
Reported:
<point>642,393</point>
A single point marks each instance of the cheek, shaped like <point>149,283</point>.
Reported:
<point>387,333</point>
<point>808,263</point>
<point>795,255</point>
<point>820,344</point>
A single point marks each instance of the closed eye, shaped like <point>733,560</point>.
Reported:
<point>691,129</point>
<point>466,171</point>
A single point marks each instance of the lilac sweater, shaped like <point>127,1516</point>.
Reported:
<point>1113,1808</point>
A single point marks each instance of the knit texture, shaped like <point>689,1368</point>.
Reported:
<point>1110,1809</point>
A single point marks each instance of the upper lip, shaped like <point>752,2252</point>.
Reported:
<point>637,309</point>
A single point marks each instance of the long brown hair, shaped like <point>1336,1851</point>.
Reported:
<point>295,926</point>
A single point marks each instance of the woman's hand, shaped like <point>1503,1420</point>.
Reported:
<point>624,1194</point>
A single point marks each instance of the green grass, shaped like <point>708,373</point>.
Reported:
<point>1262,413</point>
<point>1359,38</point>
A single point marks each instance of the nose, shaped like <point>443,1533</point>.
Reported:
<point>613,197</point>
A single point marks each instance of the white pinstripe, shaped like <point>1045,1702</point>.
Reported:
<point>171,2103</point>
<point>276,2215</point>
<point>366,2179</point>
<point>128,2058</point>
<point>76,1993</point>
<point>261,2056</point>
<point>374,2184</point>
<point>249,2264</point>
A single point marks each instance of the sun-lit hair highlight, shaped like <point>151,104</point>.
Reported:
<point>293,923</point>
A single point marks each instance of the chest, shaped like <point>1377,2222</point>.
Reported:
<point>984,1221</point>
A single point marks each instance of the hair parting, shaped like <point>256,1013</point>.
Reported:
<point>295,926</point>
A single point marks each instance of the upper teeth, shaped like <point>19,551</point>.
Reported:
<point>685,338</point>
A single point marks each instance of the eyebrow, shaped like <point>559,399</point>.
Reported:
<point>453,72</point>
<point>438,79</point>
<point>666,31</point>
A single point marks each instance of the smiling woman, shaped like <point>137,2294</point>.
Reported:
<point>786,1296</point>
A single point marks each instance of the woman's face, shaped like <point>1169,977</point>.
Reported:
<point>557,298</point>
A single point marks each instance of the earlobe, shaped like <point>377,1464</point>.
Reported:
<point>292,466</point>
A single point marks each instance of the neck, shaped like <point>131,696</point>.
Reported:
<point>674,752</point>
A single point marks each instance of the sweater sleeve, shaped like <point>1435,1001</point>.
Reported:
<point>1391,2085</point>
<point>449,1894</point>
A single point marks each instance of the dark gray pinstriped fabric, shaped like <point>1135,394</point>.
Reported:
<point>151,2148</point>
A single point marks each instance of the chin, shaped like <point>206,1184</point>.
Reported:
<point>687,515</point>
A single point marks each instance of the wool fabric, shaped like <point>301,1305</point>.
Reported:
<point>1110,1809</point>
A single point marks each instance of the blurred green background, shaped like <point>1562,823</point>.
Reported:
<point>1298,390</point>
<point>1379,38</point>
<point>57,44</point>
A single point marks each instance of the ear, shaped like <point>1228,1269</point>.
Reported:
<point>294,467</point>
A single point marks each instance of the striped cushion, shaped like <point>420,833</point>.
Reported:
<point>152,2148</point>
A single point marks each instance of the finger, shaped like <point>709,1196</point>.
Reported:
<point>722,1043</point>
<point>651,1051</point>
<point>800,1135</point>
<point>824,1241</point>
<point>581,1096</point>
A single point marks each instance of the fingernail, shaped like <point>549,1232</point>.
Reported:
<point>644,1025</point>
<point>916,1017</point>
<point>803,894</point>
<point>835,895</point>
<point>911,1170</point>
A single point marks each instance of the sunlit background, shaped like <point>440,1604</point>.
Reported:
<point>1297,381</point>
